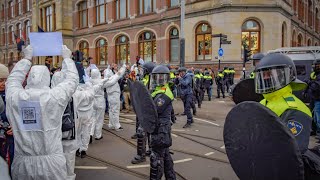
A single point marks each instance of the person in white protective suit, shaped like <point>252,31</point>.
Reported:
<point>113,92</point>
<point>35,114</point>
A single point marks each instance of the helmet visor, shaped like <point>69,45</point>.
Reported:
<point>159,79</point>
<point>268,80</point>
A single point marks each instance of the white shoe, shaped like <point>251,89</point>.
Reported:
<point>119,129</point>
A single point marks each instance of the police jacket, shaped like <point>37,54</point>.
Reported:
<point>226,74</point>
<point>313,89</point>
<point>162,97</point>
<point>219,79</point>
<point>293,112</point>
<point>198,82</point>
<point>185,84</point>
<point>207,81</point>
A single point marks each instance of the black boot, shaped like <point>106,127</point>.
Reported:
<point>134,136</point>
<point>194,111</point>
<point>90,140</point>
<point>209,98</point>
<point>83,154</point>
<point>78,153</point>
<point>223,96</point>
<point>187,125</point>
<point>138,159</point>
<point>199,105</point>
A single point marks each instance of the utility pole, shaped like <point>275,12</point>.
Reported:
<point>182,40</point>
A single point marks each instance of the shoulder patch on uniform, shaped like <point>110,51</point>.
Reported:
<point>289,99</point>
<point>295,127</point>
<point>160,102</point>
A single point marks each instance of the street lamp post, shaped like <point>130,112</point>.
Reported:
<point>182,40</point>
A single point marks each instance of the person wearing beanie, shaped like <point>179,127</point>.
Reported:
<point>6,136</point>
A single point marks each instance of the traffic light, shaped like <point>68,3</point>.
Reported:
<point>247,55</point>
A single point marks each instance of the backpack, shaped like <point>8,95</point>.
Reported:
<point>68,120</point>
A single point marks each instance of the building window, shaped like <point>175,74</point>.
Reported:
<point>19,7</point>
<point>49,18</point>
<point>101,11</point>
<point>27,30</point>
<point>147,46</point>
<point>147,6</point>
<point>251,36</point>
<point>19,30</point>
<point>174,45</point>
<point>28,5</point>
<point>2,12</point>
<point>102,51</point>
<point>203,42</point>
<point>173,3</point>
<point>310,12</point>
<point>3,37</point>
<point>317,21</point>
<point>293,40</point>
<point>309,42</point>
<point>11,57</point>
<point>83,14</point>
<point>11,35</point>
<point>301,10</point>
<point>122,49</point>
<point>122,9</point>
<point>11,10</point>
<point>300,40</point>
<point>84,48</point>
<point>316,44</point>
<point>284,35</point>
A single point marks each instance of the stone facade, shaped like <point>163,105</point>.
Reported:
<point>282,23</point>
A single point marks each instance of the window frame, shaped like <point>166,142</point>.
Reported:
<point>97,12</point>
<point>250,31</point>
<point>98,49</point>
<point>82,47</point>
<point>170,6</point>
<point>118,43</point>
<point>141,11</point>
<point>19,7</point>
<point>11,34</point>
<point>11,9</point>
<point>3,35</point>
<point>118,12</point>
<point>153,40</point>
<point>82,11</point>
<point>172,37</point>
<point>209,31</point>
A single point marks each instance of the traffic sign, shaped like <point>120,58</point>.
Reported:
<point>220,52</point>
<point>226,42</point>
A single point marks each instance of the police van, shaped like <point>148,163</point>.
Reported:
<point>303,58</point>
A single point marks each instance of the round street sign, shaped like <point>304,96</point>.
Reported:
<point>220,52</point>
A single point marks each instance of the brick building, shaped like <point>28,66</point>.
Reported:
<point>119,30</point>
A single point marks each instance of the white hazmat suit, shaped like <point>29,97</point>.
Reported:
<point>35,114</point>
<point>113,92</point>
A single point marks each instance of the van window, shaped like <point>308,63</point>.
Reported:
<point>301,70</point>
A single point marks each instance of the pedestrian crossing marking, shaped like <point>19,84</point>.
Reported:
<point>148,165</point>
<point>207,121</point>
<point>223,147</point>
<point>174,135</point>
<point>209,153</point>
<point>91,167</point>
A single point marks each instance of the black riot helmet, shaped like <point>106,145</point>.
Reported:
<point>316,66</point>
<point>225,68</point>
<point>257,56</point>
<point>196,71</point>
<point>206,73</point>
<point>274,72</point>
<point>160,75</point>
<point>147,68</point>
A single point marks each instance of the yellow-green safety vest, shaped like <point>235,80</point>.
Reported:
<point>163,89</point>
<point>282,100</point>
<point>207,77</point>
<point>197,76</point>
<point>172,76</point>
<point>313,76</point>
<point>221,75</point>
<point>146,79</point>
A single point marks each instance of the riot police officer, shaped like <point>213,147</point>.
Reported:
<point>198,86</point>
<point>220,84</point>
<point>185,82</point>
<point>207,83</point>
<point>141,135</point>
<point>255,59</point>
<point>173,89</point>
<point>232,73</point>
<point>275,79</point>
<point>226,75</point>
<point>313,92</point>
<point>160,158</point>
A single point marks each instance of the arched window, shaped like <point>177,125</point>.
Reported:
<point>251,36</point>
<point>203,42</point>
<point>174,45</point>
<point>300,40</point>
<point>102,51</point>
<point>122,49</point>
<point>293,40</point>
<point>147,46</point>
<point>309,42</point>
<point>11,56</point>
<point>19,30</point>
<point>284,35</point>
<point>84,48</point>
<point>11,35</point>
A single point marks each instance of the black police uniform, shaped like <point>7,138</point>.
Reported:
<point>198,87</point>
<point>220,84</point>
<point>207,82</point>
<point>160,158</point>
